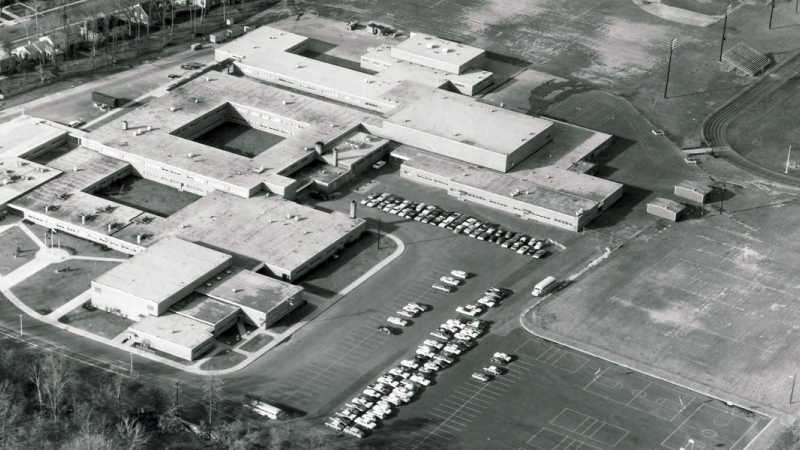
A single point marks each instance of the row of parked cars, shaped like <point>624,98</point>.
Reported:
<point>409,311</point>
<point>490,299</point>
<point>458,223</point>
<point>403,382</point>
<point>448,282</point>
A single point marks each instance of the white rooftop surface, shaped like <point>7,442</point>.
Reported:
<point>163,269</point>
<point>160,145</point>
<point>353,147</point>
<point>22,176</point>
<point>174,328</point>
<point>249,289</point>
<point>695,186</point>
<point>242,227</point>
<point>499,183</point>
<point>459,118</point>
<point>24,133</point>
<point>418,43</point>
<point>667,204</point>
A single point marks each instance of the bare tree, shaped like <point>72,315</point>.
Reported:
<point>57,379</point>
<point>132,434</point>
<point>37,6</point>
<point>10,410</point>
<point>212,394</point>
<point>35,374</point>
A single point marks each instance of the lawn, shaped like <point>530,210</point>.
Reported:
<point>239,139</point>
<point>11,240</point>
<point>256,343</point>
<point>225,359</point>
<point>148,196</point>
<point>98,322</point>
<point>48,290</point>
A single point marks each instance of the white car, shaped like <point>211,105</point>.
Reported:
<point>442,288</point>
<point>459,274</point>
<point>417,306</point>
<point>408,385</point>
<point>402,392</point>
<point>379,413</point>
<point>464,337</point>
<point>397,321</point>
<point>353,431</point>
<point>538,245</point>
<point>443,359</point>
<point>410,363</point>
<point>474,332</point>
<point>384,405</point>
<point>400,372</point>
<point>474,306</point>
<point>407,314</point>
<point>347,413</point>
<point>390,381</point>
<point>424,350</point>
<point>432,366</point>
<point>75,123</point>
<point>432,343</point>
<point>487,301</point>
<point>372,393</point>
<point>366,423</point>
<point>481,377</point>
<point>493,370</point>
<point>458,323</point>
<point>502,356</point>
<point>450,280</point>
<point>395,400</point>
<point>453,349</point>
<point>440,334</point>
<point>477,324</point>
<point>379,164</point>
<point>467,312</point>
<point>419,379</point>
<point>335,424</point>
<point>363,401</point>
<point>411,309</point>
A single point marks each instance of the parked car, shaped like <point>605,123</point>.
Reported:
<point>503,357</point>
<point>440,334</point>
<point>481,377</point>
<point>467,312</point>
<point>407,314</point>
<point>450,280</point>
<point>538,254</point>
<point>487,301</point>
<point>453,349</point>
<point>433,343</point>
<point>397,321</point>
<point>420,379</point>
<point>419,307</point>
<point>493,370</point>
<point>386,330</point>
<point>335,424</point>
<point>379,164</point>
<point>442,288</point>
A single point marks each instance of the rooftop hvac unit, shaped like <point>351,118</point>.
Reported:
<point>445,50</point>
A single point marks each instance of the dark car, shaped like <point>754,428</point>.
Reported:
<point>172,75</point>
<point>387,330</point>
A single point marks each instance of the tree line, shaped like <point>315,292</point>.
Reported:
<point>48,400</point>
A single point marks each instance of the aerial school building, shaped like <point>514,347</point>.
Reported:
<point>420,97</point>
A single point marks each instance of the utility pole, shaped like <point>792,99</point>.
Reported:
<point>131,364</point>
<point>379,233</point>
<point>722,203</point>
<point>771,12</point>
<point>724,27</point>
<point>669,65</point>
<point>787,159</point>
<point>20,325</point>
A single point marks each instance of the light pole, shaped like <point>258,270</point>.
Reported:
<point>724,28</point>
<point>20,325</point>
<point>787,159</point>
<point>722,203</point>
<point>669,65</point>
<point>771,12</point>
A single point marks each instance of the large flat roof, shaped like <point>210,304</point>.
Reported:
<point>226,91</point>
<point>21,134</point>
<point>249,289</point>
<point>254,229</point>
<point>203,308</point>
<point>458,118</point>
<point>498,183</point>
<point>21,177</point>
<point>174,328</point>
<point>433,48</point>
<point>163,269</point>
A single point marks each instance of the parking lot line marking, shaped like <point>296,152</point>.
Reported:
<point>463,405</point>
<point>503,383</point>
<point>477,400</point>
<point>524,364</point>
<point>459,412</point>
<point>448,420</point>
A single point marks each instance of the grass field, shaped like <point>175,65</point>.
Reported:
<point>239,139</point>
<point>47,289</point>
<point>149,196</point>
<point>225,359</point>
<point>711,301</point>
<point>76,246</point>
<point>98,321</point>
<point>10,240</point>
<point>256,343</point>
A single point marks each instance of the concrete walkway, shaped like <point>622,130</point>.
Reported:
<point>52,318</point>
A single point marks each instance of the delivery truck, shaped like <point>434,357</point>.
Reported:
<point>544,286</point>
<point>101,99</point>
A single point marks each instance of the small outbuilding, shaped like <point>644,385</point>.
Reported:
<point>692,190</point>
<point>666,209</point>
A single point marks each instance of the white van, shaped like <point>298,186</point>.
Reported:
<point>266,410</point>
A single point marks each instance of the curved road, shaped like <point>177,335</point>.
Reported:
<point>716,125</point>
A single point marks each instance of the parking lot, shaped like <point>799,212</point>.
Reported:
<point>555,398</point>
